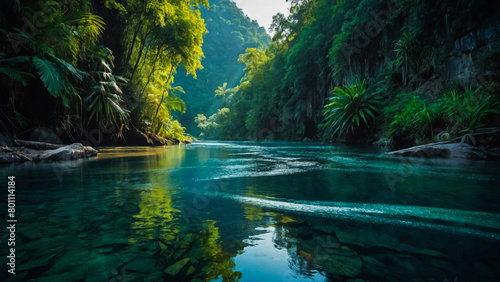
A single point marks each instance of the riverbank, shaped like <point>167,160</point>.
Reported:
<point>482,144</point>
<point>16,151</point>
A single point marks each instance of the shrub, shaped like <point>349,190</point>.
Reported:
<point>468,111</point>
<point>412,119</point>
<point>350,111</point>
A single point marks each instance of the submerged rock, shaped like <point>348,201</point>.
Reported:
<point>343,266</point>
<point>344,251</point>
<point>143,265</point>
<point>174,269</point>
<point>366,238</point>
<point>328,229</point>
<point>373,261</point>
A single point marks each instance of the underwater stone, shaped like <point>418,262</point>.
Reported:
<point>432,253</point>
<point>34,263</point>
<point>343,266</point>
<point>176,267</point>
<point>143,265</point>
<point>154,277</point>
<point>33,234</point>
<point>196,252</point>
<point>342,252</point>
<point>305,232</point>
<point>69,259</point>
<point>70,275</point>
<point>328,229</point>
<point>402,247</point>
<point>366,238</point>
<point>373,261</point>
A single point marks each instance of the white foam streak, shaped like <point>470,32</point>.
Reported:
<point>398,215</point>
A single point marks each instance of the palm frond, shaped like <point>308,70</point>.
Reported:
<point>93,24</point>
<point>174,103</point>
<point>50,76</point>
<point>76,73</point>
<point>15,74</point>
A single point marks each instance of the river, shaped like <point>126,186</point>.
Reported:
<point>271,211</point>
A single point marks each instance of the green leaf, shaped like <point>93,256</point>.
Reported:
<point>50,77</point>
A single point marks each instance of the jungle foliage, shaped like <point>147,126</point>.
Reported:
<point>367,70</point>
<point>78,65</point>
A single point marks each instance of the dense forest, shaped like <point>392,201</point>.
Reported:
<point>409,72</point>
<point>230,33</point>
<point>98,71</point>
<point>360,71</point>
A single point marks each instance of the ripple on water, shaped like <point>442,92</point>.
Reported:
<point>480,224</point>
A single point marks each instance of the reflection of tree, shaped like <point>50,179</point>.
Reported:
<point>193,248</point>
<point>218,263</point>
<point>156,216</point>
<point>287,237</point>
<point>252,212</point>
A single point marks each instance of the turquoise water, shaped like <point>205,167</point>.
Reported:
<point>253,211</point>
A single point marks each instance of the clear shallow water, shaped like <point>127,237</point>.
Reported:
<point>255,212</point>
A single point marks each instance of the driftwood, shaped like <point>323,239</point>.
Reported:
<point>37,145</point>
<point>17,153</point>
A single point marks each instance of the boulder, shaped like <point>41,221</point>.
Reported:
<point>442,150</point>
<point>69,152</point>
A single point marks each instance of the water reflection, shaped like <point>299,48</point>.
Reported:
<point>283,212</point>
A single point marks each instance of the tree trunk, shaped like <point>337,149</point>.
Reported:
<point>151,73</point>
<point>143,43</point>
<point>162,96</point>
<point>134,39</point>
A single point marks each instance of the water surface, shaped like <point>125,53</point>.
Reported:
<point>252,211</point>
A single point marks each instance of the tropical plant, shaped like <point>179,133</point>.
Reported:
<point>413,121</point>
<point>227,94</point>
<point>105,99</point>
<point>469,110</point>
<point>347,107</point>
<point>407,50</point>
<point>8,66</point>
<point>156,113</point>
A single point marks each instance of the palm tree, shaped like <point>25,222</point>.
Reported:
<point>223,91</point>
<point>407,49</point>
